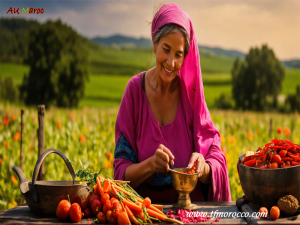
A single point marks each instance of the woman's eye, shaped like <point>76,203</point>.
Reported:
<point>166,50</point>
<point>178,55</point>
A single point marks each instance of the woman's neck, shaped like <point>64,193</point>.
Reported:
<point>159,86</point>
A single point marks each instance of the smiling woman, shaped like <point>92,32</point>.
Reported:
<point>163,119</point>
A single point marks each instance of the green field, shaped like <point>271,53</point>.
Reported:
<point>112,68</point>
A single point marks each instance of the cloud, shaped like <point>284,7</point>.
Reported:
<point>231,24</point>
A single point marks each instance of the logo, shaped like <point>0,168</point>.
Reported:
<point>25,11</point>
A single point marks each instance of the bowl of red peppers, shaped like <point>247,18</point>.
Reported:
<point>272,172</point>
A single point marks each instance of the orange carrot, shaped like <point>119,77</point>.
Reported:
<point>159,207</point>
<point>131,205</point>
<point>107,186</point>
<point>99,186</point>
<point>156,214</point>
<point>156,210</point>
<point>131,216</point>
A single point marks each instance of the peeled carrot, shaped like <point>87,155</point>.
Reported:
<point>131,216</point>
<point>155,209</point>
<point>156,214</point>
<point>124,209</point>
<point>159,207</point>
<point>132,205</point>
<point>107,186</point>
<point>99,186</point>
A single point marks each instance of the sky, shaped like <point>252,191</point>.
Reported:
<point>229,24</point>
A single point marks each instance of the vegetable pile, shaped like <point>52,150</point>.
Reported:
<point>276,154</point>
<point>114,202</point>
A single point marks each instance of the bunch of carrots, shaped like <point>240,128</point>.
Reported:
<point>276,154</point>
<point>120,204</point>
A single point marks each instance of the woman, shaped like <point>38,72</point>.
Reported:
<point>163,119</point>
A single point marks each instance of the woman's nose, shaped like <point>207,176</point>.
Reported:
<point>171,62</point>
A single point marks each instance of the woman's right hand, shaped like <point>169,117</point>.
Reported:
<point>161,159</point>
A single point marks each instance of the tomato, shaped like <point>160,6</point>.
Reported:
<point>109,215</point>
<point>101,218</point>
<point>87,213</point>
<point>146,202</point>
<point>277,158</point>
<point>62,210</point>
<point>92,198</point>
<point>189,172</point>
<point>265,211</point>
<point>75,213</point>
<point>274,213</point>
<point>274,165</point>
<point>108,204</point>
<point>96,207</point>
<point>116,209</point>
<point>113,220</point>
<point>112,200</point>
<point>123,219</point>
<point>283,153</point>
<point>104,198</point>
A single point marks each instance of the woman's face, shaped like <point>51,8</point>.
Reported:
<point>169,55</point>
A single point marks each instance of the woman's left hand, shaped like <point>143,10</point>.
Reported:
<point>202,167</point>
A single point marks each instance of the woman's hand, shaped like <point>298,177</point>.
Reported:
<point>161,159</point>
<point>202,167</point>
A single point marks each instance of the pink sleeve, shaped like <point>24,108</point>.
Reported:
<point>219,189</point>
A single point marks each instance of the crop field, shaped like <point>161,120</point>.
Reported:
<point>106,90</point>
<point>87,135</point>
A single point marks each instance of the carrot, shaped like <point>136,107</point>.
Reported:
<point>156,214</point>
<point>107,186</point>
<point>156,210</point>
<point>124,209</point>
<point>131,216</point>
<point>132,205</point>
<point>113,190</point>
<point>159,207</point>
<point>99,186</point>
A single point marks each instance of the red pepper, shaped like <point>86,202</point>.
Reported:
<point>295,158</point>
<point>250,163</point>
<point>287,159</point>
<point>262,167</point>
<point>247,158</point>
<point>295,163</point>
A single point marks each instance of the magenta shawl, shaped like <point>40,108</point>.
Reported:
<point>132,116</point>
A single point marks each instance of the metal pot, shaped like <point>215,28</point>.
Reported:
<point>264,187</point>
<point>43,197</point>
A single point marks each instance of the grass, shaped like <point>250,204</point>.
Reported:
<point>106,90</point>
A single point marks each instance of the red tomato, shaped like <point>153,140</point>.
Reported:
<point>283,153</point>
<point>101,218</point>
<point>108,205</point>
<point>87,213</point>
<point>116,209</point>
<point>113,220</point>
<point>123,219</point>
<point>96,207</point>
<point>104,198</point>
<point>92,198</point>
<point>108,215</point>
<point>274,165</point>
<point>75,213</point>
<point>62,210</point>
<point>277,158</point>
<point>112,200</point>
<point>274,213</point>
<point>263,210</point>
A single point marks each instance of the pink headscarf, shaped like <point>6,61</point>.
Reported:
<point>205,133</point>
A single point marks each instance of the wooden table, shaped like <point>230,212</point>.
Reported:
<point>22,215</point>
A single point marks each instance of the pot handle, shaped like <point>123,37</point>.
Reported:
<point>38,166</point>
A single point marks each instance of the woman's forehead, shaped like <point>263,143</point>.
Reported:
<point>173,40</point>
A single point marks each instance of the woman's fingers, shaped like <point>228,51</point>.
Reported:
<point>193,158</point>
<point>168,152</point>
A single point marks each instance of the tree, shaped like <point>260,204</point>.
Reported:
<point>8,90</point>
<point>58,62</point>
<point>257,80</point>
<point>293,101</point>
